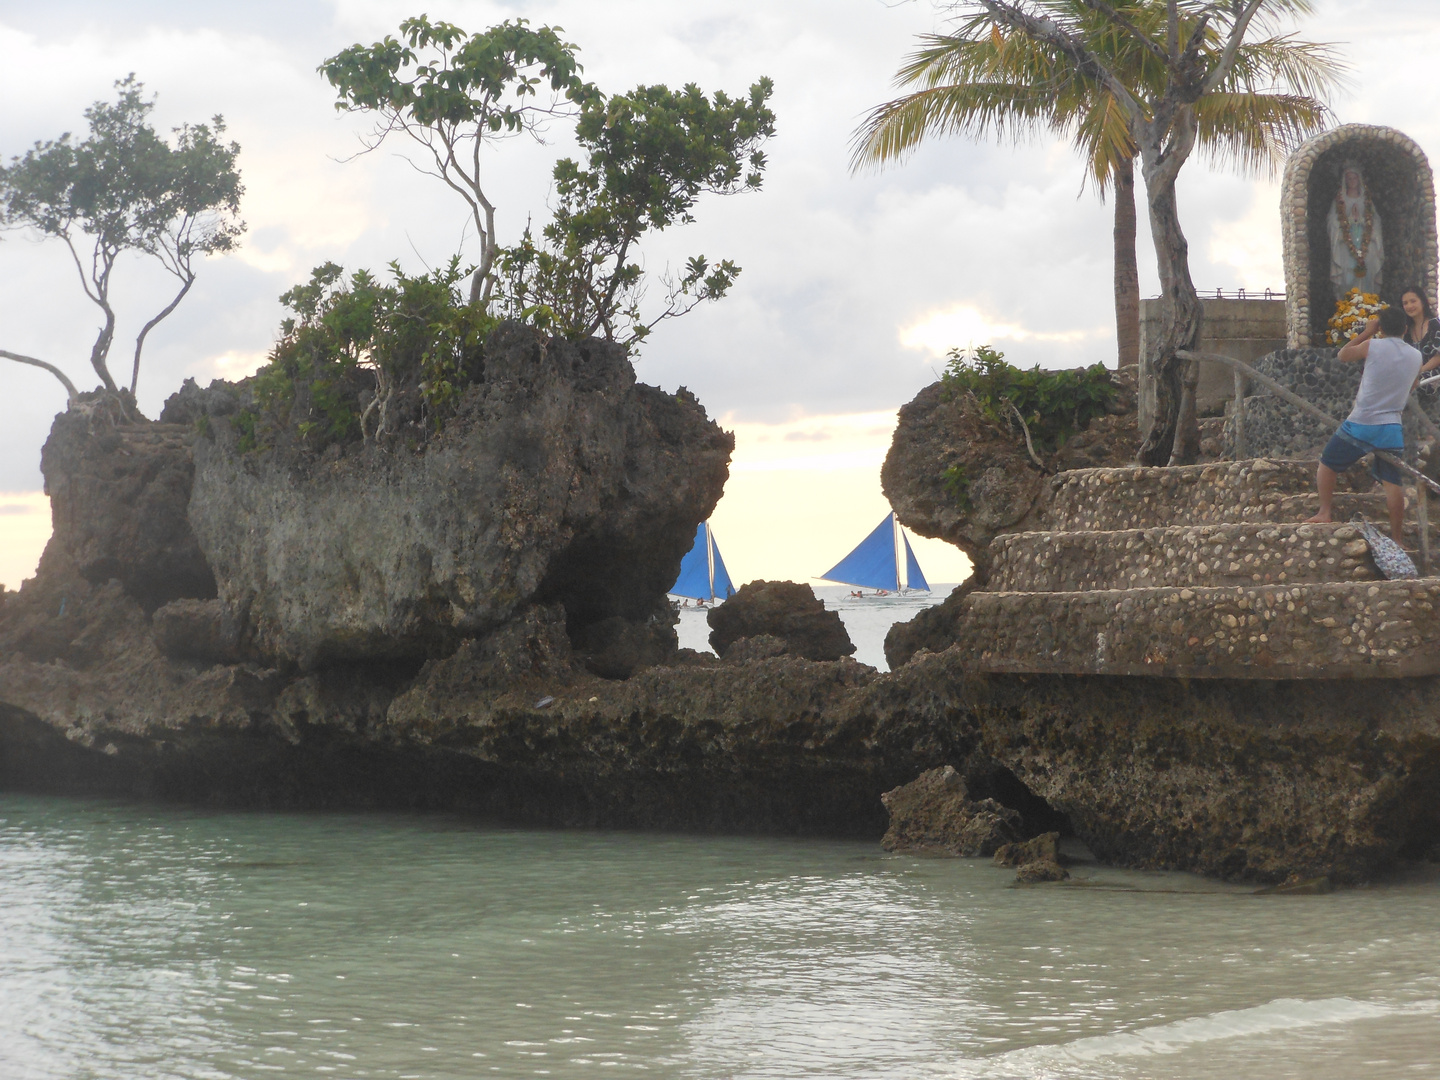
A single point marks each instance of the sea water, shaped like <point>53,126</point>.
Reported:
<point>154,942</point>
<point>867,619</point>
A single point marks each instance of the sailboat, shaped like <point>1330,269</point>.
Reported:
<point>875,562</point>
<point>702,572</point>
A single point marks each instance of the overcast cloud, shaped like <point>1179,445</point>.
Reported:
<point>852,285</point>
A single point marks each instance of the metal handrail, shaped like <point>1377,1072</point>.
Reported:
<point>1244,371</point>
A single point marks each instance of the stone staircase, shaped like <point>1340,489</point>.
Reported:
<point>1203,571</point>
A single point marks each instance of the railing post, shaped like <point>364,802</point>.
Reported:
<point>1239,415</point>
<point>1422,519</point>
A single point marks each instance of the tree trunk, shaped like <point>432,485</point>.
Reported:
<point>101,349</point>
<point>1174,435</point>
<point>1127,271</point>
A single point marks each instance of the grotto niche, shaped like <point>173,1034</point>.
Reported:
<point>1395,181</point>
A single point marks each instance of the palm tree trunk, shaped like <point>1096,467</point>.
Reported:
<point>1174,435</point>
<point>1127,270</point>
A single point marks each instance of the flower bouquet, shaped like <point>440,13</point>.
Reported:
<point>1351,314</point>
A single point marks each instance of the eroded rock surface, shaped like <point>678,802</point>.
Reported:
<point>935,814</point>
<point>782,610</point>
<point>119,492</point>
<point>1237,779</point>
<point>559,479</point>
<point>953,473</point>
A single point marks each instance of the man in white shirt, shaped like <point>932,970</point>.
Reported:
<point>1391,368</point>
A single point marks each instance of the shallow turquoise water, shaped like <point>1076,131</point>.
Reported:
<point>143,941</point>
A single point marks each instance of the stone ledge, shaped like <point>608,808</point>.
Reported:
<point>1207,555</point>
<point>1109,500</point>
<point>1383,629</point>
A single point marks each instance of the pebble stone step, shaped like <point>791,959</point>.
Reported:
<point>1214,494</point>
<point>1379,629</point>
<point>1206,555</point>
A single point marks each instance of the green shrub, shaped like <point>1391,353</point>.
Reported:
<point>358,358</point>
<point>1054,404</point>
<point>957,484</point>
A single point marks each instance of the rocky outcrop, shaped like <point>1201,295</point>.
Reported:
<point>119,492</point>
<point>934,814</point>
<point>574,709</point>
<point>1036,859</point>
<point>511,725</point>
<point>955,474</point>
<point>1236,779</point>
<point>784,611</point>
<point>558,480</point>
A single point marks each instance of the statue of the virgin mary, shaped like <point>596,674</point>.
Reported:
<point>1356,250</point>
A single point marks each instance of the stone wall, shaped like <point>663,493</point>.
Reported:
<point>1353,630</point>
<point>1403,188</point>
<point>1244,329</point>
<point>1242,554</point>
<point>1275,428</point>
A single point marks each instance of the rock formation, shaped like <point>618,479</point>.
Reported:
<point>1004,491</point>
<point>558,479</point>
<point>557,697</point>
<point>351,657</point>
<point>934,814</point>
<point>788,613</point>
<point>1037,859</point>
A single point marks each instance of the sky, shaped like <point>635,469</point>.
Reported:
<point>852,287</point>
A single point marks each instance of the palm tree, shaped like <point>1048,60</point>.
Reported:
<point>981,80</point>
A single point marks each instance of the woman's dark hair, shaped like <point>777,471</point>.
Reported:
<point>1424,299</point>
<point>1393,321</point>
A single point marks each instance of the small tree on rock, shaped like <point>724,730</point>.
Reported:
<point>452,93</point>
<point>650,154</point>
<point>979,80</point>
<point>1195,50</point>
<point>125,188</point>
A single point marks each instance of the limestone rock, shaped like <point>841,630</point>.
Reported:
<point>1042,848</point>
<point>616,648</point>
<point>196,630</point>
<point>559,479</point>
<point>781,609</point>
<point>760,647</point>
<point>191,405</point>
<point>1000,489</point>
<point>1033,873</point>
<point>119,490</point>
<point>934,813</point>
<point>1038,859</point>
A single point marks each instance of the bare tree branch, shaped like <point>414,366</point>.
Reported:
<point>64,379</point>
<point>188,280</point>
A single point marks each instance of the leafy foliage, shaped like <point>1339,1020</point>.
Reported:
<point>125,188</point>
<point>361,358</point>
<point>1053,404</point>
<point>981,79</point>
<point>450,92</point>
<point>650,154</point>
<point>957,483</point>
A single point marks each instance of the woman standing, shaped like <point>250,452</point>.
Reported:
<point>1422,328</point>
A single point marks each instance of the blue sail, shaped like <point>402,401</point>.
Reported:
<point>872,564</point>
<point>702,572</point>
<point>914,579</point>
<point>694,579</point>
<point>720,585</point>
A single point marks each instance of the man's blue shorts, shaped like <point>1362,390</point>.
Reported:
<point>1341,453</point>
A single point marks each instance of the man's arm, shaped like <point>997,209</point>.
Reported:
<point>1358,347</point>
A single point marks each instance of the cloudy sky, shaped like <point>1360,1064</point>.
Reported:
<point>853,286</point>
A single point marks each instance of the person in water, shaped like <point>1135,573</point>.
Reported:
<point>1422,328</point>
<point>1391,368</point>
